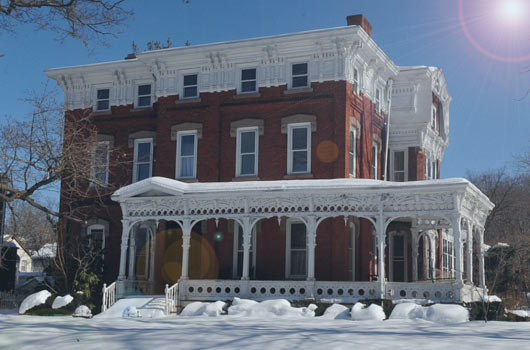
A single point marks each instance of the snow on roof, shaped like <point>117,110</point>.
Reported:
<point>175,187</point>
<point>48,250</point>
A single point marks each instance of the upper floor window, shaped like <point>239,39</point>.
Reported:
<point>299,148</point>
<point>100,163</point>
<point>102,100</point>
<point>353,151</point>
<point>247,152</point>
<point>296,250</point>
<point>300,77</point>
<point>190,87</point>
<point>356,81</point>
<point>187,154</point>
<point>378,100</point>
<point>399,166</point>
<point>143,159</point>
<point>248,80</point>
<point>434,122</point>
<point>375,160</point>
<point>144,96</point>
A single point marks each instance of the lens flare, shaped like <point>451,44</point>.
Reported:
<point>506,22</point>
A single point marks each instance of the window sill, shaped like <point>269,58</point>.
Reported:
<point>98,113</point>
<point>246,178</point>
<point>188,180</point>
<point>188,100</point>
<point>298,176</point>
<point>246,95</point>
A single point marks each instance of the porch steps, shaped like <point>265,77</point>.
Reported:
<point>148,306</point>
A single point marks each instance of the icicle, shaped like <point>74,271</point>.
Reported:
<point>279,220</point>
<point>216,223</point>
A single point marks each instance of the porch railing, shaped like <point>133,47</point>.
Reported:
<point>109,296</point>
<point>438,291</point>
<point>172,294</point>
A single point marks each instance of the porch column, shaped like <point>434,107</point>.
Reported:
<point>481,272</point>
<point>247,236</point>
<point>469,253</point>
<point>186,236</point>
<point>455,222</point>
<point>132,257</point>
<point>124,245</point>
<point>154,228</point>
<point>415,243</point>
<point>380,225</point>
<point>311,226</point>
<point>432,256</point>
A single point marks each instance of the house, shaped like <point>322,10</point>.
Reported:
<point>24,263</point>
<point>302,165</point>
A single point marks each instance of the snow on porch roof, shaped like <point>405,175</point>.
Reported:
<point>169,187</point>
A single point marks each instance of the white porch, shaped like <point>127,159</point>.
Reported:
<point>453,206</point>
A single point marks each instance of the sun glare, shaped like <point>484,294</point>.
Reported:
<point>513,11</point>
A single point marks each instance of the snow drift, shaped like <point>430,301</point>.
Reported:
<point>441,313</point>
<point>60,302</point>
<point>203,309</point>
<point>269,309</point>
<point>33,300</point>
<point>360,312</point>
<point>336,312</point>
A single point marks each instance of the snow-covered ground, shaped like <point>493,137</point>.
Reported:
<point>234,332</point>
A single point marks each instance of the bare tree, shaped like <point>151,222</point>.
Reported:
<point>41,152</point>
<point>85,20</point>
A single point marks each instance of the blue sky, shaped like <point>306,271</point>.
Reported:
<point>488,124</point>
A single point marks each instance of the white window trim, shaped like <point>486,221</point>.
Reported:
<point>238,151</point>
<point>406,160</point>
<point>290,128</point>
<point>135,161</point>
<point>96,100</point>
<point>288,275</point>
<point>378,101</point>
<point>434,124</point>
<point>93,168</point>
<point>375,161</point>
<point>353,172</point>
<point>137,95</point>
<point>290,85</point>
<point>184,74</point>
<point>240,81</point>
<point>391,254</point>
<point>97,227</point>
<point>236,251</point>
<point>179,143</point>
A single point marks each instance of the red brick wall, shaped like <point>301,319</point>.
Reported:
<point>333,103</point>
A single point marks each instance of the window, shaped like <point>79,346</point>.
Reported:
<point>186,154</point>
<point>375,159</point>
<point>100,163</point>
<point>398,257</point>
<point>448,259</point>
<point>247,152</point>
<point>96,236</point>
<point>434,170</point>
<point>144,96</point>
<point>351,252</point>
<point>142,245</point>
<point>190,87</point>
<point>300,77</point>
<point>378,100</point>
<point>248,80</point>
<point>399,170</point>
<point>356,81</point>
<point>434,124</point>
<point>23,266</point>
<point>299,148</point>
<point>237,271</point>
<point>143,159</point>
<point>353,151</point>
<point>296,250</point>
<point>102,100</point>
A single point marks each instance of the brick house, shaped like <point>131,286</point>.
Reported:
<point>285,166</point>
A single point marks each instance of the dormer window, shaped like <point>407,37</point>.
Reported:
<point>144,96</point>
<point>190,87</point>
<point>102,100</point>
<point>300,76</point>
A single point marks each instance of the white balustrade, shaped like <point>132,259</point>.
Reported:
<point>172,294</point>
<point>109,296</point>
<point>439,291</point>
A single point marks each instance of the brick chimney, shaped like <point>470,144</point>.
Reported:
<point>360,20</point>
